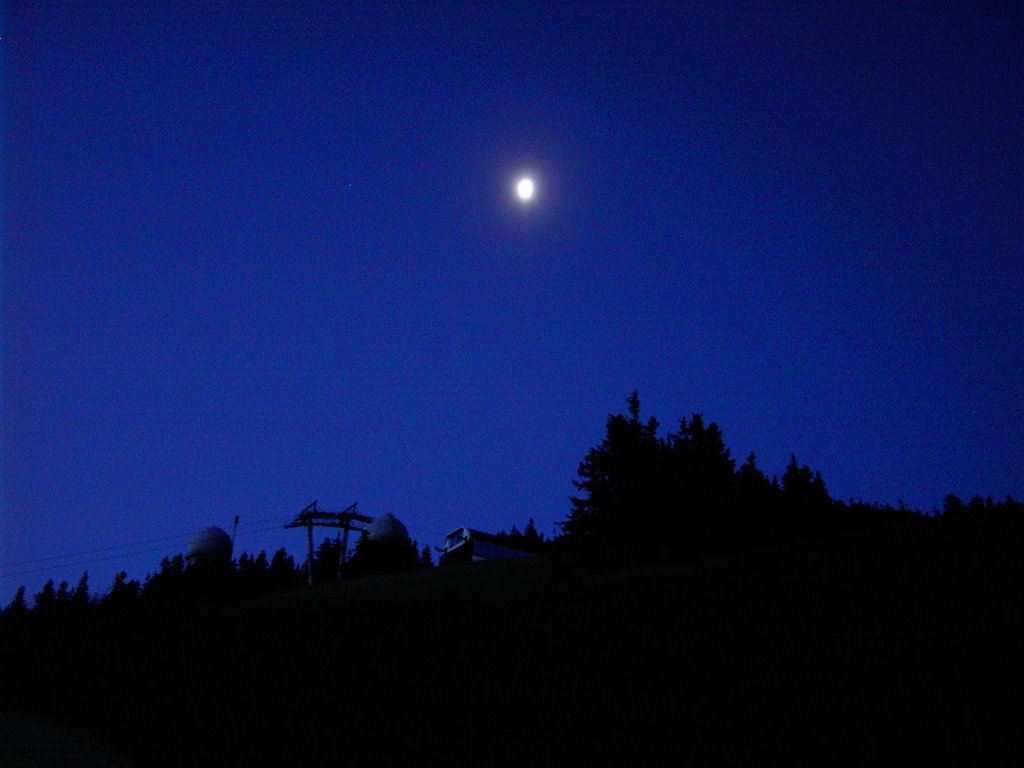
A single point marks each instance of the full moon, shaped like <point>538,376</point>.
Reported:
<point>524,189</point>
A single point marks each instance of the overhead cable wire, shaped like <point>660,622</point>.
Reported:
<point>128,550</point>
<point>78,563</point>
<point>67,555</point>
<point>81,562</point>
<point>130,545</point>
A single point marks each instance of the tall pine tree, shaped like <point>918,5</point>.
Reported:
<point>619,485</point>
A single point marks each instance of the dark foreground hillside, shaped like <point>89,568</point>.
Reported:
<point>888,646</point>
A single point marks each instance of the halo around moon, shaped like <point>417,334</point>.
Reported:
<point>525,189</point>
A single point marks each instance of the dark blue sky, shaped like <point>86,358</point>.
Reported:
<point>256,254</point>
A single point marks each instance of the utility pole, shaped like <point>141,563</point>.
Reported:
<point>314,517</point>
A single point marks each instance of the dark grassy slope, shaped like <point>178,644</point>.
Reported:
<point>885,646</point>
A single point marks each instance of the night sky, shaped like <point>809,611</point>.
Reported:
<point>256,254</point>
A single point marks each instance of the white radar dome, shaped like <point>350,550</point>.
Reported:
<point>385,528</point>
<point>209,544</point>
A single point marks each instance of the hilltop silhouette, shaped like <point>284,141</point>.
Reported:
<point>691,610</point>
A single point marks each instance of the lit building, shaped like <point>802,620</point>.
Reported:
<point>465,545</point>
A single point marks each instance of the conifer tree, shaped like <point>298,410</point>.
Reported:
<point>18,605</point>
<point>952,506</point>
<point>620,483</point>
<point>805,497</point>
<point>170,583</point>
<point>282,573</point>
<point>46,599</point>
<point>752,484</point>
<point>123,593</point>
<point>325,561</point>
<point>755,503</point>
<point>80,597</point>
<point>379,556</point>
<point>701,482</point>
<point>533,541</point>
<point>253,574</point>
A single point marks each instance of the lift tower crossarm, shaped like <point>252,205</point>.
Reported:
<point>314,517</point>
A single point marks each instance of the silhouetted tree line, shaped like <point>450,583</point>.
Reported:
<point>177,582</point>
<point>679,496</point>
<point>52,599</point>
<point>978,508</point>
<point>252,575</point>
<point>369,557</point>
<point>527,540</point>
<point>641,496</point>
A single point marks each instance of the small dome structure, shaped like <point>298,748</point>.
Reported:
<point>387,528</point>
<point>209,545</point>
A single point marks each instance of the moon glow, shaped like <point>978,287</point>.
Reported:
<point>525,189</point>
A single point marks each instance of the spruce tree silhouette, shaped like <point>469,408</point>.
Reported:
<point>380,556</point>
<point>80,597</point>
<point>687,497</point>
<point>619,485</point>
<point>18,606</point>
<point>533,540</point>
<point>701,479</point>
<point>169,584</point>
<point>806,499</point>
<point>63,595</point>
<point>282,573</point>
<point>952,506</point>
<point>252,576</point>
<point>527,540</point>
<point>756,500</point>
<point>123,594</point>
<point>325,561</point>
<point>46,600</point>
